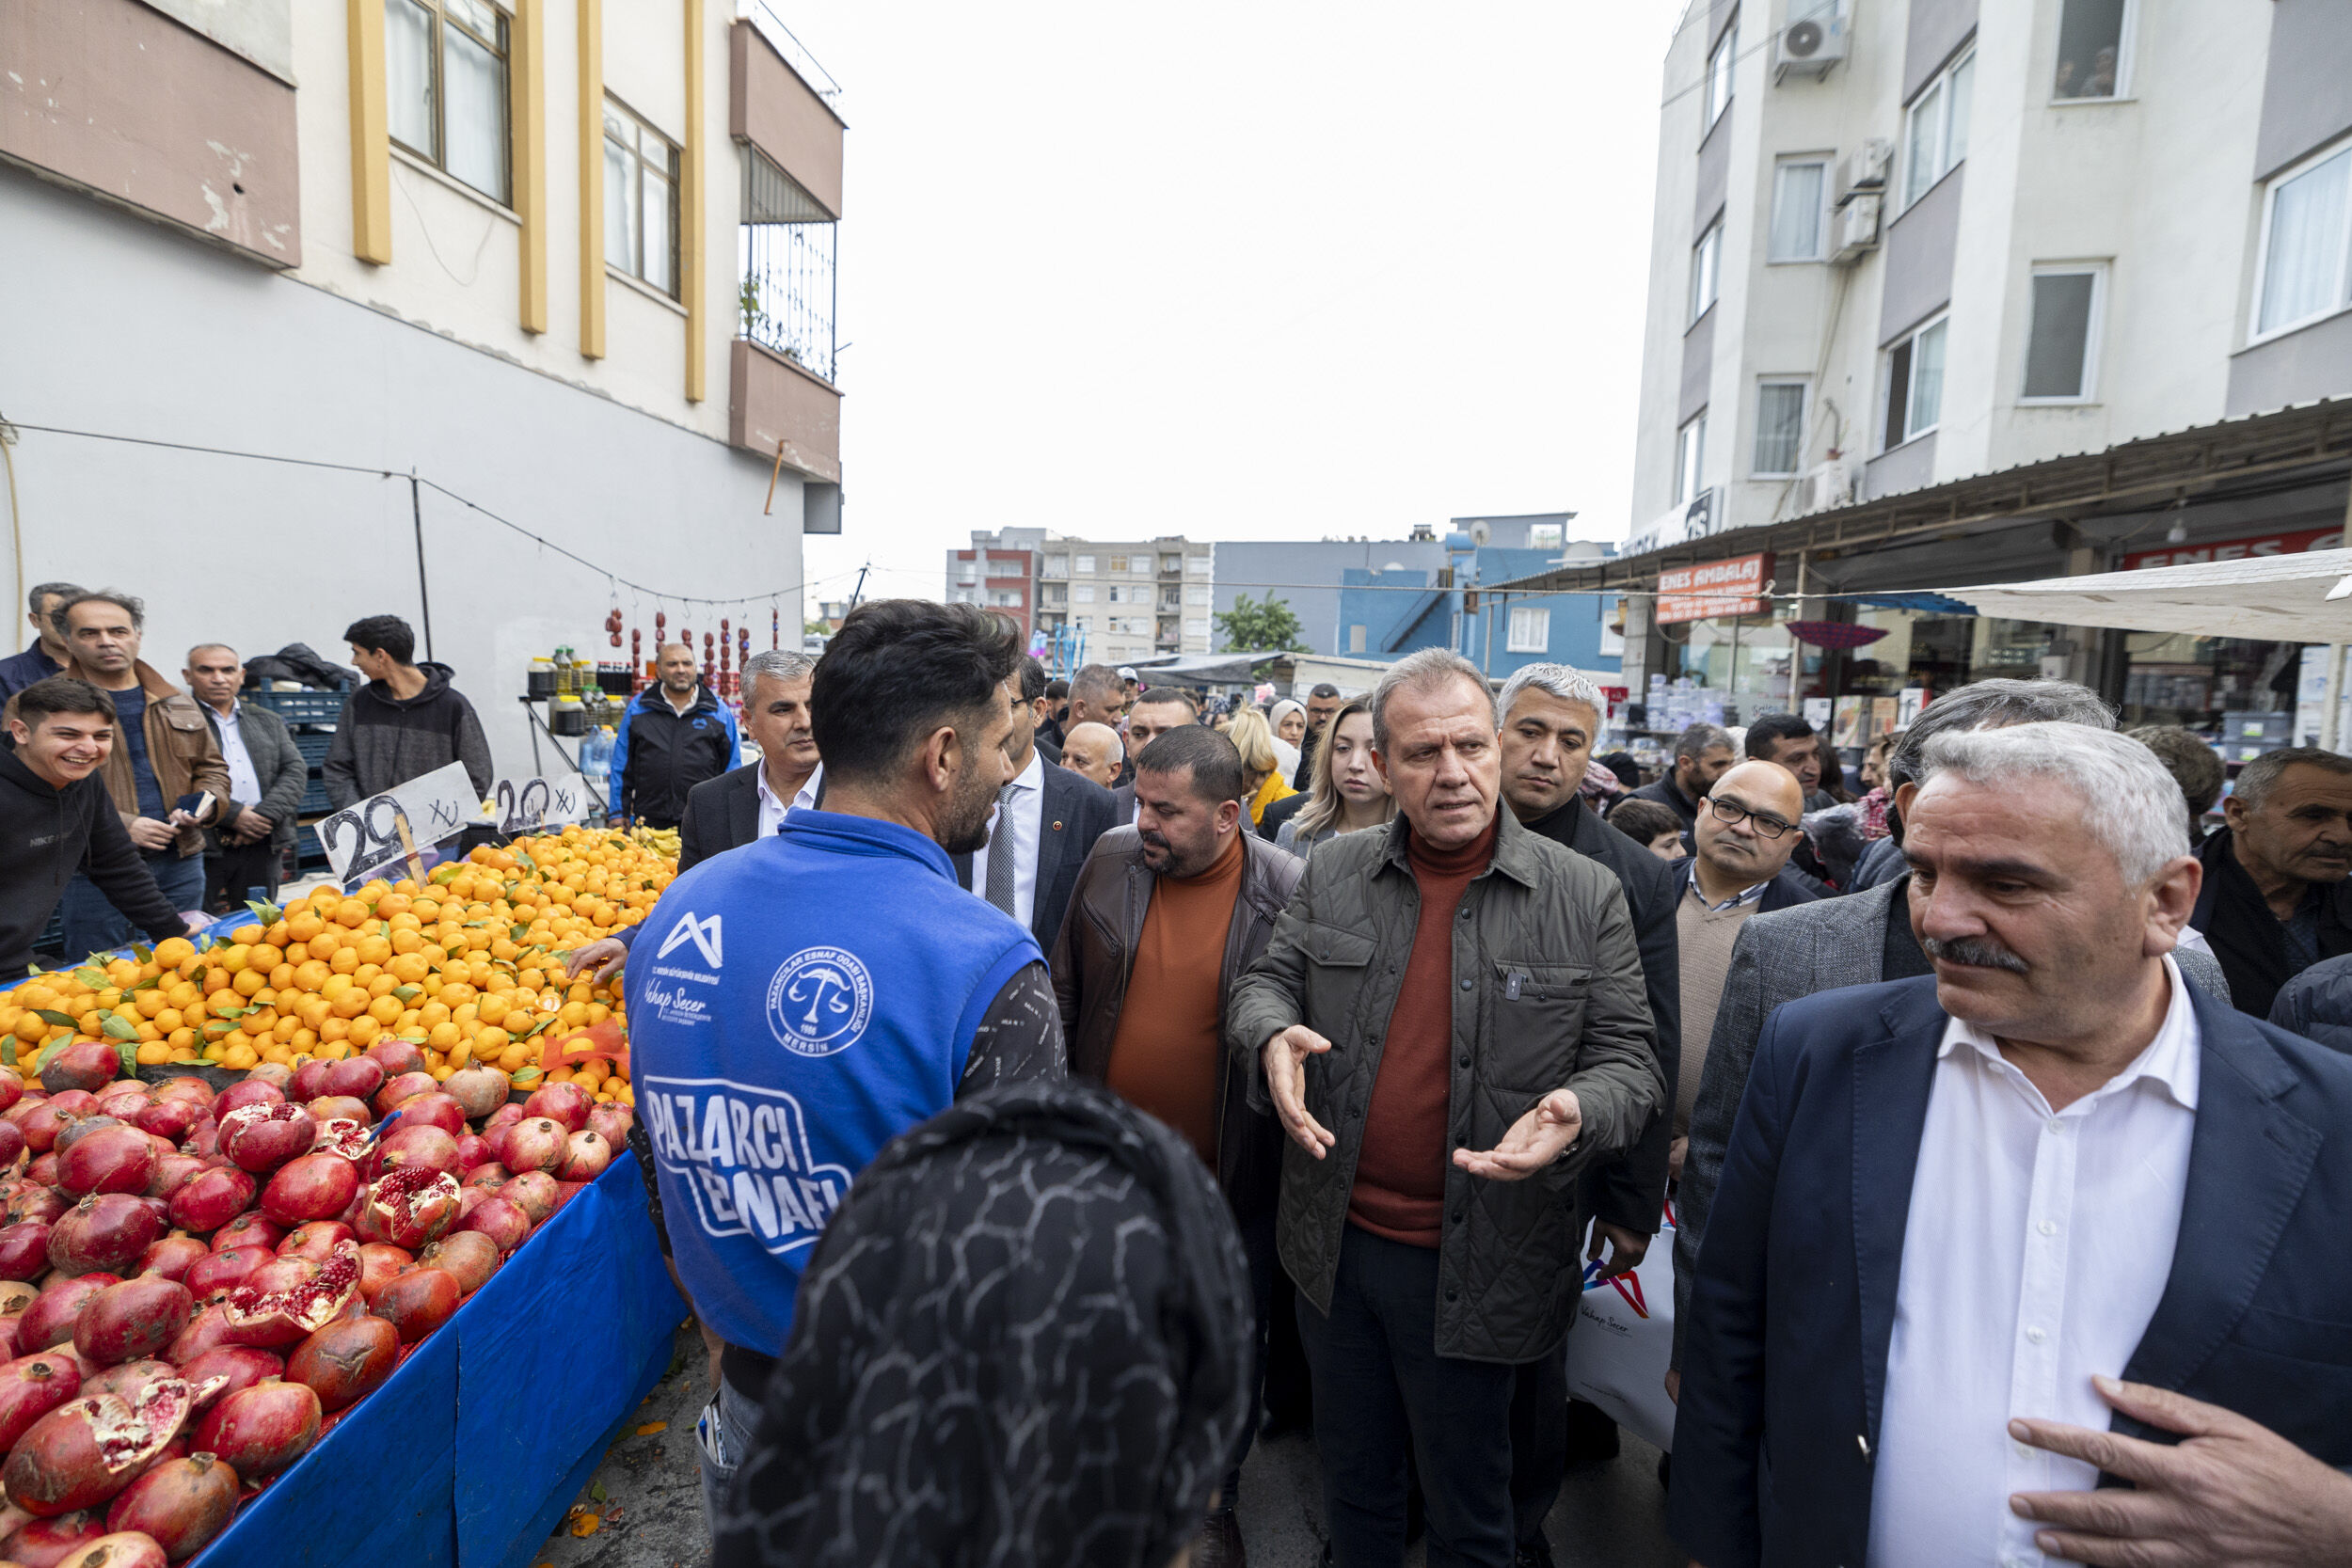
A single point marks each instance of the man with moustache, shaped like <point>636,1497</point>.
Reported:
<point>2276,899</point>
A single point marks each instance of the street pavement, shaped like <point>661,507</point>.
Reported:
<point>646,1499</point>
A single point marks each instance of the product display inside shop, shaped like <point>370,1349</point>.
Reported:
<point>289,1204</point>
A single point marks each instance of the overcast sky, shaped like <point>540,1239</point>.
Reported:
<point>1238,271</point>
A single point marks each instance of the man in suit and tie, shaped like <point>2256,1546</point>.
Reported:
<point>1047,820</point>
<point>1959,1211</point>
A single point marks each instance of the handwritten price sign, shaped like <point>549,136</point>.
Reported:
<point>528,805</point>
<point>400,824</point>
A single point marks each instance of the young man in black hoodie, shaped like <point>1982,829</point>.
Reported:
<point>407,722</point>
<point>56,818</point>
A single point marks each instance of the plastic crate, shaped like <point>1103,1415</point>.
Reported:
<point>314,800</point>
<point>303,707</point>
<point>307,855</point>
<point>312,744</point>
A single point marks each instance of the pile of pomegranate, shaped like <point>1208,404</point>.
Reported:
<point>196,1286</point>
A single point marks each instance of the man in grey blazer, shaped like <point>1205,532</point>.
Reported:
<point>1858,940</point>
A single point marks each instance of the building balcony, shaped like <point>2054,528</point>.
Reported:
<point>781,410</point>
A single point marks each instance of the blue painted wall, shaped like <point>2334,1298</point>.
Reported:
<point>1402,613</point>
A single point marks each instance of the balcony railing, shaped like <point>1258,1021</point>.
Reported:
<point>787,264</point>
<point>795,53</point>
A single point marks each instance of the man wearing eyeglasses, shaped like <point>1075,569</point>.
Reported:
<point>1747,828</point>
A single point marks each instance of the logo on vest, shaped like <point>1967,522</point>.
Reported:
<point>819,1002</point>
<point>703,934</point>
<point>743,1155</point>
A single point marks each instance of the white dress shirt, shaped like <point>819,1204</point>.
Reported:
<point>1026,797</point>
<point>245,785</point>
<point>771,809</point>
<point>2038,1247</point>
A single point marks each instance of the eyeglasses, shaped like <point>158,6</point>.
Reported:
<point>1765,826</point>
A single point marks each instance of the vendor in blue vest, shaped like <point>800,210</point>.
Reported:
<point>799,1002</point>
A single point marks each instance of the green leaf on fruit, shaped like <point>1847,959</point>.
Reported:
<point>91,976</point>
<point>48,1051</point>
<point>145,954</point>
<point>7,1050</point>
<point>268,914</point>
<point>63,1021</point>
<point>115,1029</point>
<point>128,1056</point>
<point>407,993</point>
<point>518,931</point>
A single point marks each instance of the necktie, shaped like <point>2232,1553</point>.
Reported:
<point>1000,867</point>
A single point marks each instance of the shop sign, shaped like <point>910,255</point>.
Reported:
<point>1713,588</point>
<point>2237,549</point>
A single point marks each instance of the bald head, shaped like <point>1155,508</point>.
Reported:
<point>680,674</point>
<point>1093,751</point>
<point>1748,828</point>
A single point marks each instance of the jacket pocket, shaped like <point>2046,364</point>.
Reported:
<point>1539,1013</point>
<point>2299,1338</point>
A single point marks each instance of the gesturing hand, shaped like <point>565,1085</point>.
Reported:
<point>1534,1141</point>
<point>2233,1493</point>
<point>1285,1057</point>
<point>606,954</point>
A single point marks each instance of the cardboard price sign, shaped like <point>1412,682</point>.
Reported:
<point>528,805</point>
<point>399,824</point>
<point>608,1040</point>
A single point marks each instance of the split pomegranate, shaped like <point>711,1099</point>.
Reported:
<point>261,1138</point>
<point>423,1144</point>
<point>178,1505</point>
<point>126,1381</point>
<point>211,1198</point>
<point>216,1272</point>
<point>48,1542</point>
<point>346,1136</point>
<point>419,1302</point>
<point>115,1159</point>
<point>232,1366</point>
<point>134,1318</point>
<point>469,1254</point>
<point>25,1250</point>
<point>344,1362</point>
<point>504,1223</point>
<point>539,1143</point>
<point>30,1387</point>
<point>310,1187</point>
<point>290,1298</point>
<point>316,1241</point>
<point>585,1157</point>
<point>408,1207</point>
<point>106,1232</point>
<point>50,1319</point>
<point>380,1263</point>
<point>85,1065</point>
<point>90,1448</point>
<point>260,1430</point>
<point>173,1256</point>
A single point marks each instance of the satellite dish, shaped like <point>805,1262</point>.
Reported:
<point>1480,531</point>
<point>1802,40</point>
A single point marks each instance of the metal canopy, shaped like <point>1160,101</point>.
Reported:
<point>2279,598</point>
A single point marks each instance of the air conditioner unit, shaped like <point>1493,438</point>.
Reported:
<point>1865,169</point>
<point>1813,41</point>
<point>1825,486</point>
<point>1858,227</point>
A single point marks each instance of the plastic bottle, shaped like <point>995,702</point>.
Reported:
<point>595,753</point>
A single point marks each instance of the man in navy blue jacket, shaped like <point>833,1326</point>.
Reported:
<point>1956,1209</point>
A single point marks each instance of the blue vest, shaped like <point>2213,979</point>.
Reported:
<point>793,1006</point>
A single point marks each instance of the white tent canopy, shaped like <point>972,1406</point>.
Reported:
<point>2276,598</point>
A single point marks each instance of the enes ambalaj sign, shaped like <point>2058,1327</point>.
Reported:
<point>1713,588</point>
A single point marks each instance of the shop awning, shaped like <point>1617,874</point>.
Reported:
<point>1203,668</point>
<point>2281,599</point>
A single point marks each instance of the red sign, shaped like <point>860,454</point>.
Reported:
<point>2237,549</point>
<point>1713,588</point>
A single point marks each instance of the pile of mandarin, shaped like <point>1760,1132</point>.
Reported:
<point>467,965</point>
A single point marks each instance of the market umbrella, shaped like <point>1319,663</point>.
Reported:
<point>1835,634</point>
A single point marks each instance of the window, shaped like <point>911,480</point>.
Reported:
<point>639,200</point>
<point>1779,430</point>
<point>1689,456</point>
<point>1706,264</point>
<point>1171,564</point>
<point>2090,49</point>
<point>1935,131</point>
<point>1197,565</point>
<point>1196,626</point>
<point>2062,337</point>
<point>1355,639</point>
<point>445,87</point>
<point>784,249</point>
<point>1057,594</point>
<point>1799,209</point>
<point>1531,632</point>
<point>1113,594</point>
<point>1118,563</point>
<point>1007,566</point>
<point>967,573</point>
<point>1082,593</point>
<point>1915,384</point>
<point>1718,95</point>
<point>1086,566</point>
<point>1198,593</point>
<point>2307,243</point>
<point>1057,565</point>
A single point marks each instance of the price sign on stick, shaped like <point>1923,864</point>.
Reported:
<point>529,805</point>
<point>399,824</point>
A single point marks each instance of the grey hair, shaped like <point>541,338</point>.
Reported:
<point>2256,780</point>
<point>1701,738</point>
<point>51,590</point>
<point>1095,679</point>
<point>1993,704</point>
<point>776,664</point>
<point>2131,802</point>
<point>1426,668</point>
<point>1568,685</point>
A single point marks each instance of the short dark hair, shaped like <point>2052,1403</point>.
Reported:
<point>1057,689</point>
<point>51,591</point>
<point>1324,689</point>
<point>1699,739</point>
<point>898,668</point>
<point>1169,694</point>
<point>384,634</point>
<point>131,604</point>
<point>45,699</point>
<point>1216,770</point>
<point>1643,820</point>
<point>1765,733</point>
<point>1032,680</point>
<point>2191,760</point>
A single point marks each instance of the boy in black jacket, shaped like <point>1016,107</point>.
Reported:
<point>55,819</point>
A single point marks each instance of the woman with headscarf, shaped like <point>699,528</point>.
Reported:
<point>1348,792</point>
<point>1024,1341</point>
<point>1262,765</point>
<point>1288,725</point>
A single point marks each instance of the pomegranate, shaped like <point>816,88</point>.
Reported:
<point>566,1192</point>
<point>126,1100</point>
<point>233,1367</point>
<point>478,1089</point>
<point>419,1144</point>
<point>119,1549</point>
<point>204,1137</point>
<point>379,1264</point>
<point>207,1331</point>
<point>489,1175</point>
<point>539,1143</point>
<point>127,1380</point>
<point>409,1207</point>
<point>189,1089</point>
<point>310,1187</point>
<point>173,1256</point>
<point>396,1056</point>
<point>90,1448</point>
<point>106,1232</point>
<point>15,1296</point>
<point>346,1137</point>
<point>170,1119</point>
<point>586,1158</point>
<point>261,1138</point>
<point>468,1198</point>
<point>534,1193</point>
<point>216,1272</point>
<point>419,1302</point>
<point>25,1250</point>
<point>504,1115</point>
<point>340,1107</point>
<point>344,1362</point>
<point>433,1109</point>
<point>271,1072</point>
<point>85,1065</point>
<point>48,1542</point>
<point>472,1152</point>
<point>50,1319</point>
<point>469,1254</point>
<point>355,1077</point>
<point>260,1430</point>
<point>178,1505</point>
<point>134,1318</point>
<point>42,1124</point>
<point>613,1121</point>
<point>30,1387</point>
<point>35,1202</point>
<point>505,1224</point>
<point>250,1090</point>
<point>211,1198</point>
<point>171,1171</point>
<point>11,1087</point>
<point>308,1082</point>
<point>75,1129</point>
<point>566,1103</point>
<point>290,1298</point>
<point>253,1230</point>
<point>314,1241</point>
<point>115,1159</point>
<point>43,1169</point>
<point>11,1143</point>
<point>400,1089</point>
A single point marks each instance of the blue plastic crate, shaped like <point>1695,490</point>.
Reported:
<point>312,744</point>
<point>314,800</point>
<point>303,707</point>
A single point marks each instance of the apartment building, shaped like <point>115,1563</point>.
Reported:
<point>1003,579</point>
<point>1949,291</point>
<point>569,262</point>
<point>1094,601</point>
